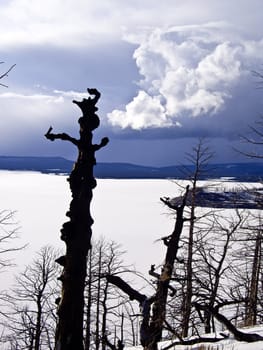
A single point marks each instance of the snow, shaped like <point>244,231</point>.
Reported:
<point>126,211</point>
<point>226,344</point>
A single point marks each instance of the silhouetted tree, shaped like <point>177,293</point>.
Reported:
<point>199,159</point>
<point>256,273</point>
<point>31,316</point>
<point>214,261</point>
<point>247,272</point>
<point>154,308</point>
<point>76,233</point>
<point>104,302</point>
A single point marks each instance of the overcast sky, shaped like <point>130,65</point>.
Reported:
<point>169,71</point>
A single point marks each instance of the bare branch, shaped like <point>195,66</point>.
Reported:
<point>126,288</point>
<point>6,74</point>
<point>240,336</point>
<point>65,137</point>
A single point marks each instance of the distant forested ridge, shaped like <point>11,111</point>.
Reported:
<point>58,165</point>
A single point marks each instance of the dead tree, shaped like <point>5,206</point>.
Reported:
<point>76,233</point>
<point>199,158</point>
<point>252,307</point>
<point>30,309</point>
<point>154,307</point>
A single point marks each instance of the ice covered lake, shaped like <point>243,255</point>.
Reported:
<point>127,211</point>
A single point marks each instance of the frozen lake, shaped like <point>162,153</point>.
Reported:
<point>126,211</point>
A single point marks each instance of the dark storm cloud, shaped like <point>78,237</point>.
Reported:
<point>168,73</point>
<point>111,68</point>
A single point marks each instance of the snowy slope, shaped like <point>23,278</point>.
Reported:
<point>226,344</point>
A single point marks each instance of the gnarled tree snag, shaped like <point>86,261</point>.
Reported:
<point>76,233</point>
<point>154,307</point>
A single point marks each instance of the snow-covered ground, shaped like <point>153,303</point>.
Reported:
<point>227,344</point>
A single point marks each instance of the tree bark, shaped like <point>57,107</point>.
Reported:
<point>98,314</point>
<point>187,306</point>
<point>251,314</point>
<point>76,233</point>
<point>88,307</point>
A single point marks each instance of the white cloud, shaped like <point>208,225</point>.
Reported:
<point>23,113</point>
<point>86,22</point>
<point>192,71</point>
<point>26,116</point>
<point>71,94</point>
<point>56,22</point>
<point>143,112</point>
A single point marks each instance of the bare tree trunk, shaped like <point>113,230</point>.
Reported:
<point>38,323</point>
<point>76,233</point>
<point>187,306</point>
<point>251,313</point>
<point>199,158</point>
<point>88,307</point>
<point>154,308</point>
<point>151,330</point>
<point>104,314</point>
<point>97,330</point>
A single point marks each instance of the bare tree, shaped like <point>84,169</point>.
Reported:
<point>247,272</point>
<point>8,234</point>
<point>213,267</point>
<point>8,248</point>
<point>199,159</point>
<point>105,305</point>
<point>154,308</point>
<point>31,316</point>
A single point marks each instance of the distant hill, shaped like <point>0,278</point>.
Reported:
<point>42,164</point>
<point>56,165</point>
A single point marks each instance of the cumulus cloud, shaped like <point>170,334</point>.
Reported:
<point>187,72</point>
<point>143,112</point>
